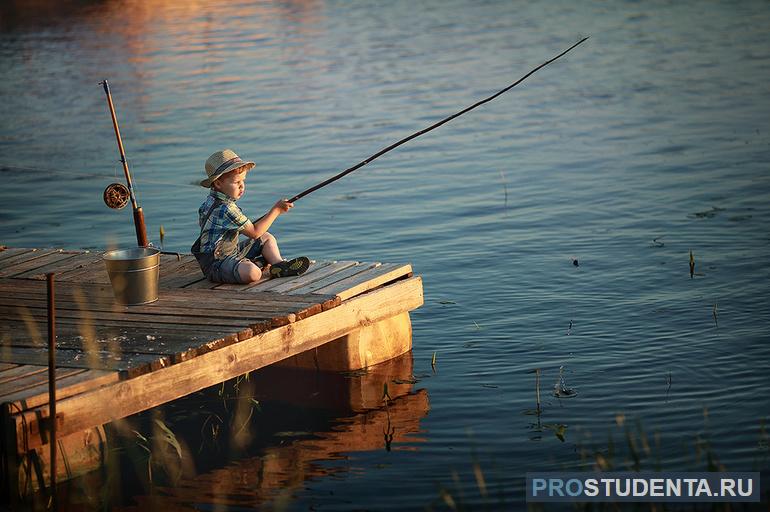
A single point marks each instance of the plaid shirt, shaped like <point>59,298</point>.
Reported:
<point>225,217</point>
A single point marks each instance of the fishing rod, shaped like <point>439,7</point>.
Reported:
<point>429,128</point>
<point>116,195</point>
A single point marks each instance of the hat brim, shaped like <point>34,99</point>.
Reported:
<point>211,179</point>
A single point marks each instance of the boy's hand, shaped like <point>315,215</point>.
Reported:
<point>283,205</point>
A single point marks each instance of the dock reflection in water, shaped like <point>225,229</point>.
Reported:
<point>306,419</point>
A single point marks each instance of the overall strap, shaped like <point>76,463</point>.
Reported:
<point>197,245</point>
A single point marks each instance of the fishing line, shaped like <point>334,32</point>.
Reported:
<point>429,128</point>
<point>76,174</point>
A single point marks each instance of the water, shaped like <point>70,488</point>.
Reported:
<point>648,141</point>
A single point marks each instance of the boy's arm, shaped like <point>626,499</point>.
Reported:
<point>259,226</point>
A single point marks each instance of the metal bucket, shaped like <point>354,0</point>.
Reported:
<point>134,274</point>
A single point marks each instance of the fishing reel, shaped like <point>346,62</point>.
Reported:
<point>116,196</point>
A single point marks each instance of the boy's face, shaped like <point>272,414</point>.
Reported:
<point>232,183</point>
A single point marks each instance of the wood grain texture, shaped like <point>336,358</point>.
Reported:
<point>148,390</point>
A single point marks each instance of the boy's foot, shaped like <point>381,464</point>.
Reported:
<point>294,267</point>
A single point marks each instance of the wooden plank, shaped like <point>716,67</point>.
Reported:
<point>337,276</point>
<point>92,272</point>
<point>93,262</point>
<point>366,281</point>
<point>32,328</point>
<point>275,307</point>
<point>95,301</point>
<point>35,379</point>
<point>201,284</point>
<point>142,340</point>
<point>20,372</point>
<point>267,282</point>
<point>272,283</point>
<point>32,266</point>
<point>11,287</point>
<point>66,386</point>
<point>61,266</point>
<point>131,319</point>
<point>22,259</point>
<point>12,251</point>
<point>187,274</point>
<point>165,306</point>
<point>127,397</point>
<point>6,366</point>
<point>73,332</point>
<point>180,344</point>
<point>305,279</point>
<point>130,365</point>
<point>170,264</point>
<point>263,280</point>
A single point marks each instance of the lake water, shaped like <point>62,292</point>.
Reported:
<point>649,141</point>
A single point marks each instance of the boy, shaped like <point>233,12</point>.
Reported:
<point>221,257</point>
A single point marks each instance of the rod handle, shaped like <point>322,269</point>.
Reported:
<point>141,231</point>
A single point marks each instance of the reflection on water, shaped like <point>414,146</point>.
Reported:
<point>552,227</point>
<point>301,425</point>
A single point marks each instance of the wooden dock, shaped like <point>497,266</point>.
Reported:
<point>114,361</point>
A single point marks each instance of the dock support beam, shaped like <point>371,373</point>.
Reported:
<point>361,348</point>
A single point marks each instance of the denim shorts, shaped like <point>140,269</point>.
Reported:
<point>226,269</point>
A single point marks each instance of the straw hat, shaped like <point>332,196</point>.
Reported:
<point>221,163</point>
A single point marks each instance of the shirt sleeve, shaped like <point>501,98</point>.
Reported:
<point>234,217</point>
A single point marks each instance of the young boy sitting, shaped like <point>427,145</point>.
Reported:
<point>221,256</point>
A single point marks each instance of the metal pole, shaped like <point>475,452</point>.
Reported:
<point>52,381</point>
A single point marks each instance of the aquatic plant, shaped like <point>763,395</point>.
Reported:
<point>560,389</point>
<point>692,264</point>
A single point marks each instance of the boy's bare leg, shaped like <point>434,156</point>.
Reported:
<point>270,250</point>
<point>249,272</point>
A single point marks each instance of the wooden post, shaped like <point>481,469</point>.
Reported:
<point>9,487</point>
<point>52,382</point>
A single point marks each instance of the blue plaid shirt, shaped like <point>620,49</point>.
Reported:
<point>226,216</point>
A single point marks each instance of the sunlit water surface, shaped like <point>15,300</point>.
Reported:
<point>648,141</point>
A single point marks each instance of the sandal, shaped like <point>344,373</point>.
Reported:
<point>294,267</point>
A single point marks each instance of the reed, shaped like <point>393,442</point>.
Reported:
<point>692,265</point>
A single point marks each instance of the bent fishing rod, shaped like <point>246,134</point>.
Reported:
<point>429,128</point>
